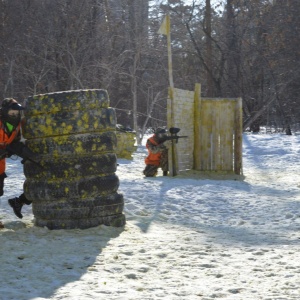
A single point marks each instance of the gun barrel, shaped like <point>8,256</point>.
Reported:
<point>175,137</point>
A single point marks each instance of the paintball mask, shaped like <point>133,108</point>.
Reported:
<point>11,111</point>
<point>161,134</point>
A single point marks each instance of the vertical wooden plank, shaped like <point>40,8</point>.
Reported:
<point>204,135</point>
<point>226,135</point>
<point>238,137</point>
<point>219,128</point>
<point>207,106</point>
<point>210,133</point>
<point>231,134</point>
<point>228,125</point>
<point>215,164</point>
<point>197,127</point>
<point>222,135</point>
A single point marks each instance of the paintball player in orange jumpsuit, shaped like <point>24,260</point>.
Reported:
<point>157,154</point>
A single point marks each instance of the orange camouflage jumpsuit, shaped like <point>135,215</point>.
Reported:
<point>157,157</point>
<point>6,139</point>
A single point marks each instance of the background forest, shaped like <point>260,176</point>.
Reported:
<point>234,48</point>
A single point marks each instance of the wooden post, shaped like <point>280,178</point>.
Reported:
<point>165,29</point>
<point>172,152</point>
<point>197,127</point>
<point>238,138</point>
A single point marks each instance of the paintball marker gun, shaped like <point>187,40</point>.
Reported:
<point>173,131</point>
<point>19,149</point>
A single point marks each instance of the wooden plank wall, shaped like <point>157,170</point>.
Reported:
<point>214,130</point>
<point>220,131</point>
<point>183,102</point>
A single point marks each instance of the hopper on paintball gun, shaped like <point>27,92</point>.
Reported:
<point>173,131</point>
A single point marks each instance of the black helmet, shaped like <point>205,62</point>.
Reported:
<point>161,134</point>
<point>160,130</point>
<point>10,104</point>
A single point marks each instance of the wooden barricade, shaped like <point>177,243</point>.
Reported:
<point>220,136</point>
<point>214,127</point>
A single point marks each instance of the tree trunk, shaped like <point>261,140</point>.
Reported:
<point>209,77</point>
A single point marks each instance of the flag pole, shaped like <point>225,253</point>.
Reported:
<point>165,29</point>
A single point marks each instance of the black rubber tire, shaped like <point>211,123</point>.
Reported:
<point>70,122</point>
<point>79,213</point>
<point>66,101</point>
<point>117,220</point>
<point>71,167</point>
<point>91,143</point>
<point>100,200</point>
<point>68,209</point>
<point>75,144</point>
<point>87,187</point>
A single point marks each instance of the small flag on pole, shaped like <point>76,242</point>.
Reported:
<point>165,26</point>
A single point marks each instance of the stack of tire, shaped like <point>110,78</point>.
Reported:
<point>74,185</point>
<point>126,144</point>
<point>126,140</point>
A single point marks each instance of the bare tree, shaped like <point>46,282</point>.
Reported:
<point>245,48</point>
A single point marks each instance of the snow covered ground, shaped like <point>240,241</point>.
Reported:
<point>185,238</point>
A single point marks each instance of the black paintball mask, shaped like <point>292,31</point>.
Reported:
<point>11,111</point>
<point>161,134</point>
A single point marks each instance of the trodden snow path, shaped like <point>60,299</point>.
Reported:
<point>185,238</point>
